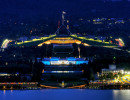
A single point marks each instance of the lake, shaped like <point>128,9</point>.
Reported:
<point>64,94</point>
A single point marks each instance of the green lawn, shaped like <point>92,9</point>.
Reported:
<point>94,43</point>
<point>33,43</point>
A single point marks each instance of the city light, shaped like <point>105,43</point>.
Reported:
<point>34,40</point>
<point>91,41</point>
<point>66,61</point>
<point>78,42</point>
<point>85,44</point>
<point>35,59</point>
<point>121,43</point>
<point>62,41</point>
<point>5,43</point>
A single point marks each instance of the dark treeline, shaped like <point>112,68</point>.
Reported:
<point>100,58</point>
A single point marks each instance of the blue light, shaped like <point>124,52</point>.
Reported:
<point>81,62</point>
<point>71,59</point>
<point>46,62</point>
<point>54,59</point>
<point>62,71</point>
<point>46,58</point>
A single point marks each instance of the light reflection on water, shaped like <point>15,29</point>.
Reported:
<point>121,94</point>
<point>65,94</point>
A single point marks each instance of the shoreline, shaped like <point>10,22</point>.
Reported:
<point>38,86</point>
<point>62,88</point>
<point>88,88</point>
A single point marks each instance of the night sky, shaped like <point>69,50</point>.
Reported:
<point>40,6</point>
<point>49,8</point>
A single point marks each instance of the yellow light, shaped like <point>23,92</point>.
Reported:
<point>43,71</point>
<point>39,45</point>
<point>5,43</point>
<point>121,41</point>
<point>85,44</point>
<point>78,42</point>
<point>4,87</point>
<point>62,41</point>
<point>48,42</point>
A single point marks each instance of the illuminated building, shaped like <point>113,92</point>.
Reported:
<point>7,74</point>
<point>112,69</point>
<point>62,67</point>
<point>62,41</point>
<point>23,39</point>
<point>63,61</point>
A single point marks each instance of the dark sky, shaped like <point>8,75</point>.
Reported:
<point>54,7</point>
<point>39,5</point>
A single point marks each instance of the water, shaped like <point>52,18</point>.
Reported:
<point>65,94</point>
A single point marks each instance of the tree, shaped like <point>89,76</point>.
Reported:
<point>37,71</point>
<point>110,75</point>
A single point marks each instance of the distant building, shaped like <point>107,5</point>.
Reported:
<point>23,39</point>
<point>34,37</point>
<point>101,38</point>
<point>91,36</point>
<point>8,74</point>
<point>112,69</point>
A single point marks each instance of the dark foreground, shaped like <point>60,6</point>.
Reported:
<point>64,94</point>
